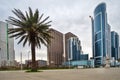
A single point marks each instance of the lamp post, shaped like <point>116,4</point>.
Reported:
<point>28,54</point>
<point>21,60</point>
<point>28,59</point>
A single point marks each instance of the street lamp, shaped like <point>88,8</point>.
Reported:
<point>21,60</point>
<point>28,59</point>
<point>28,55</point>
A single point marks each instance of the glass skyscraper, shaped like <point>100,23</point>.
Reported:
<point>101,35</point>
<point>115,45</point>
<point>74,49</point>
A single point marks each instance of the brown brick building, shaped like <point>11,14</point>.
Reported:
<point>55,49</point>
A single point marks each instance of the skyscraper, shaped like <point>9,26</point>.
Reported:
<point>115,45</point>
<point>101,35</point>
<point>74,49</point>
<point>92,21</point>
<point>108,40</point>
<point>67,36</point>
<point>55,49</point>
<point>7,55</point>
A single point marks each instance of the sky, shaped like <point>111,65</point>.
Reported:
<point>67,16</point>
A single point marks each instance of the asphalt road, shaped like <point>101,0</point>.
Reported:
<point>72,74</point>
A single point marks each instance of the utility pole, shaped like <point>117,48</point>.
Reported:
<point>28,55</point>
<point>28,59</point>
<point>21,60</point>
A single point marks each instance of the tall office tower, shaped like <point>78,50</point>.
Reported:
<point>67,36</point>
<point>7,55</point>
<point>108,41</point>
<point>92,21</point>
<point>115,45</point>
<point>55,49</point>
<point>74,49</point>
<point>101,35</point>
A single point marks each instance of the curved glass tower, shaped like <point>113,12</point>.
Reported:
<point>115,45</point>
<point>101,35</point>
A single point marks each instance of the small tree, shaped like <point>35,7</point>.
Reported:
<point>119,60</point>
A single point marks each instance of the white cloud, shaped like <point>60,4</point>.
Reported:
<point>67,16</point>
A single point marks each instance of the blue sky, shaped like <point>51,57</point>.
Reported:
<point>66,15</point>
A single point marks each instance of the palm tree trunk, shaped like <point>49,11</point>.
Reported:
<point>34,67</point>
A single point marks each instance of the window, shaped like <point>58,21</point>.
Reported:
<point>98,23</point>
<point>98,48</point>
<point>98,36</point>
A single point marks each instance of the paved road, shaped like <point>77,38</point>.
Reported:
<point>73,74</point>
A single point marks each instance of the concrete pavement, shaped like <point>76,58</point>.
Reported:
<point>72,74</point>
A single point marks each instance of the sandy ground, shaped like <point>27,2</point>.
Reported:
<point>71,74</point>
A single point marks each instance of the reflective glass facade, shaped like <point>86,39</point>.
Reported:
<point>87,63</point>
<point>84,57</point>
<point>101,37</point>
<point>114,45</point>
<point>74,49</point>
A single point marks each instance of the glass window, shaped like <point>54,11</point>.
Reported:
<point>98,23</point>
<point>98,61</point>
<point>98,48</point>
<point>98,36</point>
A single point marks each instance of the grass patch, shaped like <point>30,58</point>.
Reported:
<point>30,71</point>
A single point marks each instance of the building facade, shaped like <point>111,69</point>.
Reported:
<point>55,49</point>
<point>84,57</point>
<point>114,45</point>
<point>101,35</point>
<point>39,63</point>
<point>92,21</point>
<point>7,54</point>
<point>67,36</point>
<point>74,49</point>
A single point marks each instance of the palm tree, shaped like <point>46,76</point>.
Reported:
<point>32,29</point>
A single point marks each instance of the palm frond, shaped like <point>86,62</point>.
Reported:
<point>15,22</point>
<point>19,14</point>
<point>25,40</point>
<point>40,17</point>
<point>30,13</point>
<point>14,30</point>
<point>44,20</point>
<point>21,39</point>
<point>47,22</point>
<point>32,28</point>
<point>36,16</point>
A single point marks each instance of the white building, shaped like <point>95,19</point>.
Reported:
<point>7,54</point>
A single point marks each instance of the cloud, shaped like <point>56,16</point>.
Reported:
<point>66,15</point>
